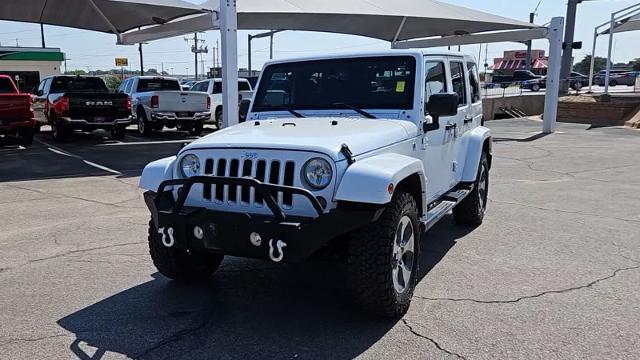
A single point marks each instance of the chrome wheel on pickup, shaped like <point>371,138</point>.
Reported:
<point>383,259</point>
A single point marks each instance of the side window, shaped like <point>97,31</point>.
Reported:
<point>459,85</point>
<point>475,83</point>
<point>129,85</point>
<point>217,87</point>
<point>41,86</point>
<point>435,80</point>
<point>122,87</point>
<point>47,85</point>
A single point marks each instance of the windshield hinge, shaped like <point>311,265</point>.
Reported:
<point>344,149</point>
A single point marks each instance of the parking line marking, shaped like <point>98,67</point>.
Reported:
<point>59,151</point>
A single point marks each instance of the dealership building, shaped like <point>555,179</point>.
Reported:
<point>28,65</point>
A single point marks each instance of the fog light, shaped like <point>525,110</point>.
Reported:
<point>322,201</point>
<point>198,232</point>
<point>255,239</point>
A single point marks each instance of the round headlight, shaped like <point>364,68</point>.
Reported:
<point>318,173</point>
<point>190,166</point>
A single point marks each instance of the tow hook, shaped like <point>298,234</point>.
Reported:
<point>170,241</point>
<point>280,245</point>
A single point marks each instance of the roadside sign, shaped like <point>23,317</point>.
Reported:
<point>121,62</point>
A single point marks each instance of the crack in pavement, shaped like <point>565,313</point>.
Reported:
<point>73,197</point>
<point>72,252</point>
<point>527,297</point>
<point>564,211</point>
<point>15,340</point>
<point>435,343</point>
<point>179,335</point>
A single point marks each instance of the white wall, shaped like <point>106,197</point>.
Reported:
<point>45,68</point>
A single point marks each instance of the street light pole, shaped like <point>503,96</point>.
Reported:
<point>42,35</point>
<point>532,17</point>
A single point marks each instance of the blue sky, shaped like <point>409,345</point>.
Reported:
<point>89,50</point>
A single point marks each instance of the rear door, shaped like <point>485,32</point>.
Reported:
<point>455,125</point>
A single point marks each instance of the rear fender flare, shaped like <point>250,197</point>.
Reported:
<point>475,146</point>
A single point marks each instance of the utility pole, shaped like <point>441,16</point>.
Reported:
<point>532,17</point>
<point>141,60</point>
<point>567,53</point>
<point>42,35</point>
<point>197,50</point>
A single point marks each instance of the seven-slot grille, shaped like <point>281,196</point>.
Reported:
<point>268,171</point>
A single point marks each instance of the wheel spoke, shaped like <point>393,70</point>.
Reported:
<point>407,235</point>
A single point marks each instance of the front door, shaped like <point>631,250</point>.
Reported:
<point>455,126</point>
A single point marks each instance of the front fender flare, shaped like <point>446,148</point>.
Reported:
<point>367,180</point>
<point>156,172</point>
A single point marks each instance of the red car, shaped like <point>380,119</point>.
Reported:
<point>16,113</point>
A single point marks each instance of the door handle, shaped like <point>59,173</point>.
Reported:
<point>451,126</point>
<point>468,120</point>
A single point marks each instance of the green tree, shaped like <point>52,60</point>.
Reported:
<point>113,82</point>
<point>75,72</point>
<point>584,65</point>
<point>635,64</point>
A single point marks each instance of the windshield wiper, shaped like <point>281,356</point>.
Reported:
<point>286,108</point>
<point>359,111</point>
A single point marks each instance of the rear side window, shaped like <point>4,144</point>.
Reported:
<point>6,86</point>
<point>243,86</point>
<point>473,80</point>
<point>459,84</point>
<point>145,85</point>
<point>436,80</point>
<point>127,89</point>
<point>77,84</point>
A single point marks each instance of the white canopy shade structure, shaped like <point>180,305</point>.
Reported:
<point>404,23</point>
<point>109,16</point>
<point>380,19</point>
<point>627,19</point>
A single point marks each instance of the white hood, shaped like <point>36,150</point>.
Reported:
<point>321,134</point>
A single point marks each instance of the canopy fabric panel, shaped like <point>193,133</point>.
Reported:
<point>381,19</point>
<point>109,16</point>
<point>631,23</point>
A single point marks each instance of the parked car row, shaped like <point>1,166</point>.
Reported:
<point>16,113</point>
<point>70,103</point>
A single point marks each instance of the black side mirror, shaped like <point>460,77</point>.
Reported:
<point>244,109</point>
<point>445,104</point>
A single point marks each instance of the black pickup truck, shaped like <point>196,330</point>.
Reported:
<point>82,103</point>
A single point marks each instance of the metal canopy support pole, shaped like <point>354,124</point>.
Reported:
<point>555,35</point>
<point>567,53</point>
<point>593,59</point>
<point>611,31</point>
<point>229,35</point>
<point>249,54</point>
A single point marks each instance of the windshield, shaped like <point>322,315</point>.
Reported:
<point>77,84</point>
<point>365,83</point>
<point>6,86</point>
<point>146,85</point>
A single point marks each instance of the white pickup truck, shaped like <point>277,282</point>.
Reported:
<point>160,101</point>
<point>359,154</point>
<point>213,87</point>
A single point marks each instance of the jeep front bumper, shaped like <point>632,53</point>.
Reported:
<point>277,237</point>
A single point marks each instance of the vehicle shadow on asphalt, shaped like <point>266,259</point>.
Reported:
<point>250,309</point>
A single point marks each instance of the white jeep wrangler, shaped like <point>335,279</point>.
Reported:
<point>360,152</point>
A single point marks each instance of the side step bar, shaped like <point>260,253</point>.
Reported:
<point>437,210</point>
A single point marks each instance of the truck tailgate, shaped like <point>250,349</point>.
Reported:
<point>182,101</point>
<point>97,106</point>
<point>15,107</point>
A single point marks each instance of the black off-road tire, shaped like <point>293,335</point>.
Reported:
<point>218,117</point>
<point>471,210</point>
<point>119,132</point>
<point>145,128</point>
<point>196,129</point>
<point>59,131</point>
<point>178,264</point>
<point>613,83</point>
<point>26,136</point>
<point>370,260</point>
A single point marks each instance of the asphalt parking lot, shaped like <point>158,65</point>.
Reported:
<point>553,272</point>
